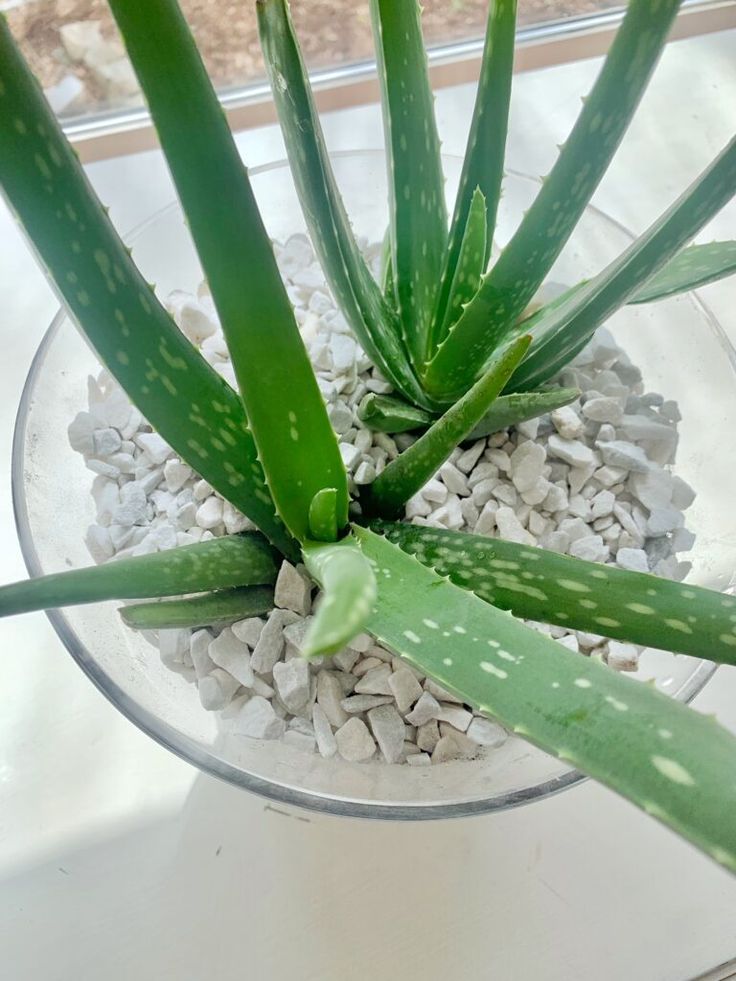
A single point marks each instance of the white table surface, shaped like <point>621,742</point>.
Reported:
<point>118,860</point>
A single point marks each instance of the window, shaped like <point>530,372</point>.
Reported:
<point>75,50</point>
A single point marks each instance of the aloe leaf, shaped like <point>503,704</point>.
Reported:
<point>349,591</point>
<point>323,515</point>
<point>210,609</point>
<point>559,335</point>
<point>509,410</point>
<point>408,473</point>
<point>486,147</point>
<point>470,263</point>
<point>693,267</point>
<point>416,183</point>
<point>388,414</point>
<point>285,409</point>
<point>194,410</point>
<point>237,560</point>
<point>677,765</point>
<point>387,274</point>
<point>540,585</point>
<point>371,317</point>
<point>566,191</point>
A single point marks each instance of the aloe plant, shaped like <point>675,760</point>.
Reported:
<point>446,603</point>
<point>477,309</point>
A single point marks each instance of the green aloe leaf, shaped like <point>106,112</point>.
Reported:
<point>677,765</point>
<point>211,609</point>
<point>194,410</point>
<point>323,526</point>
<point>470,263</point>
<point>561,333</point>
<point>540,585</point>
<point>349,592</point>
<point>486,147</point>
<point>387,414</point>
<point>408,473</point>
<point>286,412</point>
<point>416,183</point>
<point>370,315</point>
<point>548,224</point>
<point>509,410</point>
<point>386,277</point>
<point>237,560</point>
<point>693,267</point>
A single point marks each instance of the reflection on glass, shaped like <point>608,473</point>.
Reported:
<point>74,48</point>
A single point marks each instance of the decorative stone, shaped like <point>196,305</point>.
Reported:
<point>326,742</point>
<point>527,464</point>
<point>622,657</point>
<point>291,680</point>
<point>154,446</point>
<point>258,720</point>
<point>620,453</point>
<point>217,689</point>
<point>486,733</point>
<point>511,529</point>
<point>209,513</point>
<point>376,681</point>
<point>330,694</point>
<point>232,655</point>
<point>354,741</point>
<point>572,451</point>
<point>293,590</point>
<point>567,422</point>
<point>456,716</point>
<point>388,730</point>
<point>361,703</point>
<point>633,559</point>
<point>454,746</point>
<point>249,631</point>
<point>428,735</point>
<point>271,641</point>
<point>426,708</point>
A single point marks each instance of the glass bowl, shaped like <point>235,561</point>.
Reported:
<point>682,352</point>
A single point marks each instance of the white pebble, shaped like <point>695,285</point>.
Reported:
<point>405,688</point>
<point>249,631</point>
<point>567,422</point>
<point>426,708</point>
<point>388,731</point>
<point>620,453</point>
<point>258,720</point>
<point>155,448</point>
<point>511,529</point>
<point>217,689</point>
<point>232,655</point>
<point>326,742</point>
<point>293,590</point>
<point>487,733</point>
<point>291,680</point>
<point>209,513</point>
<point>572,451</point>
<point>270,643</point>
<point>633,559</point>
<point>354,741</point>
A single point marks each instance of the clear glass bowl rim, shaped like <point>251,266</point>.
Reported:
<point>185,748</point>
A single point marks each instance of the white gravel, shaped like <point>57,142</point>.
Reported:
<point>591,479</point>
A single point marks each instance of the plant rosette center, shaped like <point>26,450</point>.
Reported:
<point>590,480</point>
